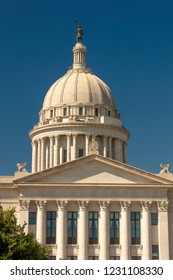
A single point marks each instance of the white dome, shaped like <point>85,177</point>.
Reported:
<point>78,86</point>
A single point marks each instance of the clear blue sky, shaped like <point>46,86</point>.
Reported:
<point>130,47</point>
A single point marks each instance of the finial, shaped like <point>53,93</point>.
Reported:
<point>79,34</point>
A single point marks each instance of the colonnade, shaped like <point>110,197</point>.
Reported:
<point>49,151</point>
<point>104,234</point>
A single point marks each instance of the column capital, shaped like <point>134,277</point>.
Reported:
<point>61,204</point>
<point>146,205</point>
<point>51,137</point>
<point>83,204</point>
<point>163,205</point>
<point>24,205</point>
<point>104,205</point>
<point>125,205</point>
<point>41,204</point>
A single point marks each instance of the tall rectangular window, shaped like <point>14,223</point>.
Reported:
<point>51,227</point>
<point>81,153</point>
<point>114,227</point>
<point>96,112</point>
<point>64,155</point>
<point>72,227</point>
<point>154,219</point>
<point>80,111</point>
<point>32,218</point>
<point>155,252</point>
<point>93,227</point>
<point>135,228</point>
<point>64,112</point>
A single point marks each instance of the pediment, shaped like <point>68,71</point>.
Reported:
<point>93,169</point>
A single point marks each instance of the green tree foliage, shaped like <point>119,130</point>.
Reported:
<point>15,244</point>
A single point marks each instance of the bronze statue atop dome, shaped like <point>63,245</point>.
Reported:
<point>79,34</point>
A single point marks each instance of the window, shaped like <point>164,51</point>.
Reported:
<point>93,227</point>
<point>114,257</point>
<point>51,227</point>
<point>155,252</point>
<point>80,111</point>
<point>135,228</point>
<point>136,258</point>
<point>81,153</point>
<point>51,113</point>
<point>109,113</point>
<point>93,258</point>
<point>32,218</point>
<point>52,257</point>
<point>72,227</point>
<point>96,111</point>
<point>64,155</point>
<point>64,111</point>
<point>114,227</point>
<point>72,258</point>
<point>154,219</point>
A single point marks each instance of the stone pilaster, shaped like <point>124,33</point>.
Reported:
<point>56,154</point>
<point>104,230</point>
<point>34,157</point>
<point>42,153</point>
<point>124,230</point>
<point>61,234</point>
<point>74,153</point>
<point>83,230</point>
<point>105,146</point>
<point>110,147</point>
<point>87,137</point>
<point>146,230</point>
<point>51,152</point>
<point>68,147</point>
<point>39,155</point>
<point>163,230</point>
<point>24,213</point>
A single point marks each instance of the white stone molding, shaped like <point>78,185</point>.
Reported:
<point>163,206</point>
<point>104,205</point>
<point>146,205</point>
<point>83,204</point>
<point>24,205</point>
<point>61,204</point>
<point>125,205</point>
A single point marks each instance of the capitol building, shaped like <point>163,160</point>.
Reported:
<point>82,199</point>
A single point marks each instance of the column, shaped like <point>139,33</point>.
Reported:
<point>61,154</point>
<point>125,230</point>
<point>39,155</point>
<point>68,147</point>
<point>41,222</point>
<point>124,152</point>
<point>104,230</point>
<point>61,234</point>
<point>163,230</point>
<point>105,146</point>
<point>34,157</point>
<point>74,146</point>
<point>87,144</point>
<point>146,230</point>
<point>42,154</point>
<point>51,152</point>
<point>56,154</point>
<point>24,214</point>
<point>83,230</point>
<point>110,147</point>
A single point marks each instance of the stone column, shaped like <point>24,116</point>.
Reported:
<point>41,222</point>
<point>110,147</point>
<point>39,156</point>
<point>163,230</point>
<point>34,157</point>
<point>61,154</point>
<point>117,149</point>
<point>125,152</point>
<point>74,146</point>
<point>24,214</point>
<point>83,230</point>
<point>56,154</point>
<point>146,230</point>
<point>42,154</point>
<point>61,235</point>
<point>87,136</point>
<point>105,146</point>
<point>125,230</point>
<point>51,152</point>
<point>104,230</point>
<point>68,147</point>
